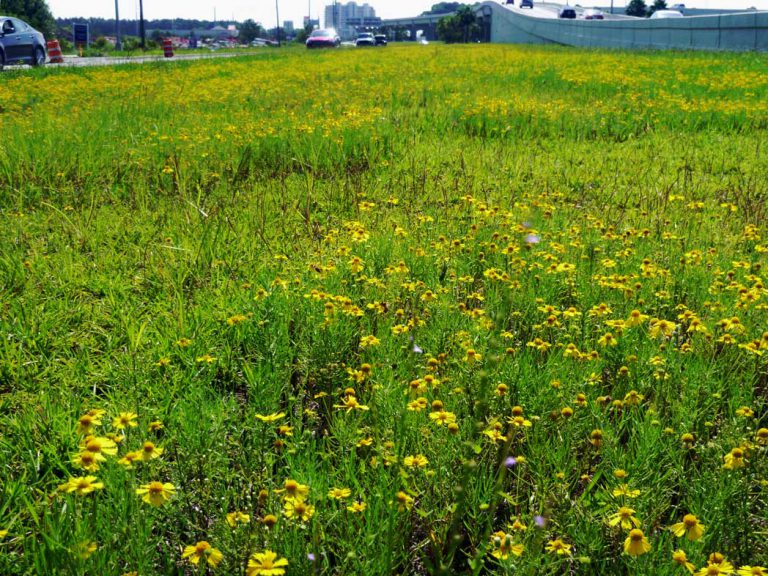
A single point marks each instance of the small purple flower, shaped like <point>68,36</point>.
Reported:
<point>311,557</point>
<point>510,462</point>
<point>540,521</point>
<point>533,239</point>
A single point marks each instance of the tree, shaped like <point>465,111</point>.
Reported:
<point>467,21</point>
<point>448,30</point>
<point>249,31</point>
<point>657,5</point>
<point>35,12</point>
<point>443,8</point>
<point>458,28</point>
<point>303,34</point>
<point>636,8</point>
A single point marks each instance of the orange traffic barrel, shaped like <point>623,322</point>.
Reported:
<point>54,52</point>
<point>168,48</point>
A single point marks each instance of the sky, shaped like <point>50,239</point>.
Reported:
<point>263,11</point>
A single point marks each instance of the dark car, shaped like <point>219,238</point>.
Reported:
<point>20,43</point>
<point>526,3</point>
<point>324,38</point>
<point>381,39</point>
<point>567,12</point>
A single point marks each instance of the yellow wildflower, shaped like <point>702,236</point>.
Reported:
<point>125,420</point>
<point>625,518</point>
<point>690,527</point>
<point>681,559</point>
<point>339,493</point>
<point>636,543</point>
<point>81,485</point>
<point>557,546</point>
<point>156,493</point>
<point>265,564</point>
<point>236,518</point>
<point>269,418</point>
<point>201,550</point>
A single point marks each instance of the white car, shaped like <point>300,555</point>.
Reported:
<point>593,14</point>
<point>365,39</point>
<point>662,14</point>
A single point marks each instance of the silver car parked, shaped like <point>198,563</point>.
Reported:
<point>20,43</point>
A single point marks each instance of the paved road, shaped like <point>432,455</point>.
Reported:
<point>537,11</point>
<point>551,10</point>
<point>71,61</point>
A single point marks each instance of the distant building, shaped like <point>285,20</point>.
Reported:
<point>312,22</point>
<point>288,27</point>
<point>350,18</point>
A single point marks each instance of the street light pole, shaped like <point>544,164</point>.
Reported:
<point>277,12</point>
<point>142,32</point>
<point>118,44</point>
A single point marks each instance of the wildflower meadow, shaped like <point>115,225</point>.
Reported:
<point>413,310</point>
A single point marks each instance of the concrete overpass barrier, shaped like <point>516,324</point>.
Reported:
<point>731,32</point>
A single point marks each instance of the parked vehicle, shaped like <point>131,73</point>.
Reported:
<point>526,3</point>
<point>567,12</point>
<point>593,14</point>
<point>381,39</point>
<point>323,38</point>
<point>663,14</point>
<point>365,39</point>
<point>20,43</point>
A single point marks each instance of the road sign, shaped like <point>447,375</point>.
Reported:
<point>81,35</point>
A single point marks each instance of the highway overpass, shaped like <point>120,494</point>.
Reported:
<point>416,26</point>
<point>503,23</point>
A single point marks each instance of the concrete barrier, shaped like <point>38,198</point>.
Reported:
<point>731,32</point>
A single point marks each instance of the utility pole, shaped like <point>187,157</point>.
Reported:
<point>277,11</point>
<point>142,32</point>
<point>118,44</point>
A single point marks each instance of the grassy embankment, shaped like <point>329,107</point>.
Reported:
<point>391,249</point>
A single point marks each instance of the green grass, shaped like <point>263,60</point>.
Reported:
<point>144,205</point>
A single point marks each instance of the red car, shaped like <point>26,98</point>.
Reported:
<point>323,38</point>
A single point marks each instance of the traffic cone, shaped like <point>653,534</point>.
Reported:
<point>54,52</point>
<point>168,48</point>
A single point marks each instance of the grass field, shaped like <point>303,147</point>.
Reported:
<point>414,310</point>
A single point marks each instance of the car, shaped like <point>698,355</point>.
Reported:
<point>20,43</point>
<point>365,39</point>
<point>381,39</point>
<point>567,12</point>
<point>664,14</point>
<point>323,38</point>
<point>526,3</point>
<point>593,14</point>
